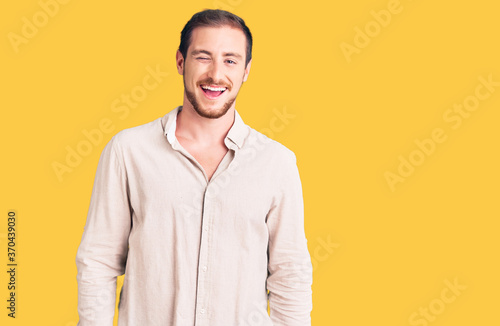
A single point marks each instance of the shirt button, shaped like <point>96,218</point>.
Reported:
<point>206,228</point>
<point>202,311</point>
<point>204,268</point>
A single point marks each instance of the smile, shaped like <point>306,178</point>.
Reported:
<point>213,92</point>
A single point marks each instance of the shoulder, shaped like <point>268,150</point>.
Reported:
<point>270,149</point>
<point>134,137</point>
<point>274,161</point>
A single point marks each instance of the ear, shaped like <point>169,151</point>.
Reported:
<point>247,70</point>
<point>179,59</point>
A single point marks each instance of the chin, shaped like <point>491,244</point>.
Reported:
<point>212,113</point>
<point>206,108</point>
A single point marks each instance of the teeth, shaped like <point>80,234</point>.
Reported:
<point>214,89</point>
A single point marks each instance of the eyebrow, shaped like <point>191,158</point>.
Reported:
<point>226,54</point>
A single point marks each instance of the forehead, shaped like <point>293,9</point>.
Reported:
<point>218,39</point>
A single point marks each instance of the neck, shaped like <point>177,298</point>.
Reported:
<point>204,131</point>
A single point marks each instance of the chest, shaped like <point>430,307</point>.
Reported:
<point>162,180</point>
<point>208,157</point>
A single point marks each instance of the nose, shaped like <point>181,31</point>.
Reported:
<point>215,71</point>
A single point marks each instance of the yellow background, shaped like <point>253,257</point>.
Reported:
<point>391,249</point>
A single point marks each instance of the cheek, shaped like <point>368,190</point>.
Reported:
<point>240,77</point>
<point>191,79</point>
<point>192,73</point>
<point>238,81</point>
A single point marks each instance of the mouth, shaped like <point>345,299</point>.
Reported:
<point>213,91</point>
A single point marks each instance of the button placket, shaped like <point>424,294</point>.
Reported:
<point>202,291</point>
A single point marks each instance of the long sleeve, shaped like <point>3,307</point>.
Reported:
<point>102,253</point>
<point>289,266</point>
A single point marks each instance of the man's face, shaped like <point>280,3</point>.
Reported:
<point>214,69</point>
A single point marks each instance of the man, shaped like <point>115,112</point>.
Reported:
<point>202,213</point>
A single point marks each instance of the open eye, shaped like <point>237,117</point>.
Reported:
<point>231,62</point>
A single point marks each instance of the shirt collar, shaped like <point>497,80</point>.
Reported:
<point>236,134</point>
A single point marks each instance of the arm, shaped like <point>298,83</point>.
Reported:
<point>102,253</point>
<point>290,269</point>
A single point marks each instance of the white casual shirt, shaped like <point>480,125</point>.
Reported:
<point>195,251</point>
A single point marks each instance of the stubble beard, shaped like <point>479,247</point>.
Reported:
<point>213,114</point>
